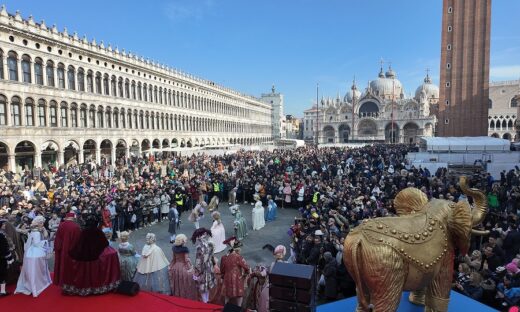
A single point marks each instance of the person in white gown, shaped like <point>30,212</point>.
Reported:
<point>218,233</point>
<point>152,269</point>
<point>258,214</point>
<point>35,275</point>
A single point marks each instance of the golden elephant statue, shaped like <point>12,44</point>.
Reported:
<point>412,252</point>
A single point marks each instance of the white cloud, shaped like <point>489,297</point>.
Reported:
<point>505,72</point>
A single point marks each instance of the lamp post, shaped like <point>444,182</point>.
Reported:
<point>317,115</point>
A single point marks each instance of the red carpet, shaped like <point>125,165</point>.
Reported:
<point>52,300</point>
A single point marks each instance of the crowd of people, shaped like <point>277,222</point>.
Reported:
<point>333,189</point>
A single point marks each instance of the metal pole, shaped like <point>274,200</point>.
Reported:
<point>353,109</point>
<point>317,115</point>
<point>393,101</point>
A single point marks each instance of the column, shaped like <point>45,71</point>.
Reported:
<point>44,73</point>
<point>61,157</point>
<point>38,158</point>
<point>8,117</point>
<point>80,156</point>
<point>113,155</point>
<point>19,70</point>
<point>31,66</point>
<point>11,162</point>
<point>98,155</point>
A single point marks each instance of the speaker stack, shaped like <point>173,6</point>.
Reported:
<point>293,288</point>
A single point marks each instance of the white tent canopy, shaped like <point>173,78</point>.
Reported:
<point>462,144</point>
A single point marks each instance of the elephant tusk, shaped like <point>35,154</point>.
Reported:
<point>479,232</point>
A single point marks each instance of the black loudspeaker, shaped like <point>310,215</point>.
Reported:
<point>128,288</point>
<point>293,288</point>
<point>229,307</point>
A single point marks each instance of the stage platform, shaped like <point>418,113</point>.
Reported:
<point>52,300</point>
<point>458,303</point>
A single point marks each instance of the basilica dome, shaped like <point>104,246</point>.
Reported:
<point>350,94</point>
<point>386,85</point>
<point>427,89</point>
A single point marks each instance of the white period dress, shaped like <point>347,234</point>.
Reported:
<point>258,216</point>
<point>218,236</point>
<point>35,275</point>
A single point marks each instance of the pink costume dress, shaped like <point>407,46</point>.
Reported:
<point>180,273</point>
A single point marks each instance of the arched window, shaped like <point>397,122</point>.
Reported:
<point>139,96</point>
<point>113,87</point>
<point>116,119</point>
<point>120,87</point>
<point>26,68</point>
<point>141,120</point>
<point>53,113</point>
<point>514,102</point>
<point>83,116</point>
<point>50,74</point>
<point>81,79</point>
<point>61,76</point>
<point>92,117</point>
<point>3,110</point>
<point>147,119</point>
<point>129,120</point>
<point>160,95</point>
<point>90,81</point>
<point>100,118</point>
<point>42,113</point>
<point>12,65</point>
<point>15,111</point>
<point>29,112</point>
<point>38,71</point>
<point>133,90</point>
<point>127,88</point>
<point>73,115</point>
<point>490,104</point>
<point>106,87</point>
<point>510,125</point>
<point>492,125</point>
<point>108,118</point>
<point>71,78</point>
<point>150,93</point>
<point>145,92</point>
<point>98,83</point>
<point>63,115</point>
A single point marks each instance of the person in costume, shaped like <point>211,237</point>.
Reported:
<point>213,203</point>
<point>35,275</point>
<point>96,267</point>
<point>234,270</point>
<point>127,257</point>
<point>17,245</point>
<point>258,214</point>
<point>66,237</point>
<point>6,258</point>
<point>239,223</point>
<point>218,233</point>
<point>152,269</point>
<point>278,253</point>
<point>181,271</point>
<point>258,295</point>
<point>216,294</point>
<point>271,209</point>
<point>173,221</point>
<point>197,213</point>
<point>203,274</point>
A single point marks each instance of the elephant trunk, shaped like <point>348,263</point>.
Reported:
<point>480,210</point>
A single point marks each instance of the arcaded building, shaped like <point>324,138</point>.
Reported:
<point>65,98</point>
<point>504,103</point>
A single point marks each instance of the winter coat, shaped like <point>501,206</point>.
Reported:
<point>331,284</point>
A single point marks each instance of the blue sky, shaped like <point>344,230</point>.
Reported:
<point>294,44</point>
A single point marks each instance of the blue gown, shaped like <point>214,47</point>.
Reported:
<point>271,211</point>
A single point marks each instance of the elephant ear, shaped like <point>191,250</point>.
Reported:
<point>410,200</point>
<point>459,225</point>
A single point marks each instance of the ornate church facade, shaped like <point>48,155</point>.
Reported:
<point>381,113</point>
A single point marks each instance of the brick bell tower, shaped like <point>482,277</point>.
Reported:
<point>464,69</point>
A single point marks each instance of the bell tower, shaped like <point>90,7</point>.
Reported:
<point>464,68</point>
